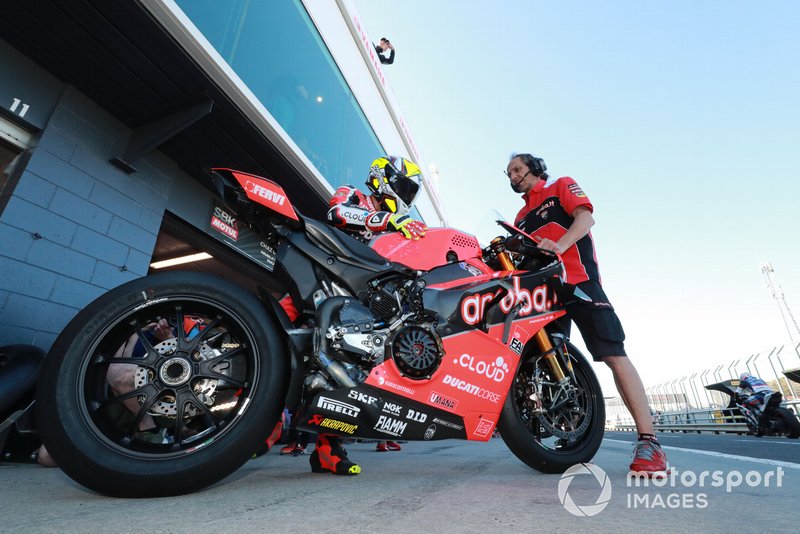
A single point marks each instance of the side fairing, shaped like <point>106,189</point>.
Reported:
<point>485,300</point>
<point>369,412</point>
<point>471,383</point>
<point>263,191</point>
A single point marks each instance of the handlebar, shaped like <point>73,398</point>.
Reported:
<point>521,243</point>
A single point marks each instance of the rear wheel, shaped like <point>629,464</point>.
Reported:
<point>552,426</point>
<point>788,421</point>
<point>162,386</point>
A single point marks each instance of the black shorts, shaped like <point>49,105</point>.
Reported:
<point>597,321</point>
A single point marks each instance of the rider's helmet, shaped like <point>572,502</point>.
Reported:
<point>744,376</point>
<point>394,181</point>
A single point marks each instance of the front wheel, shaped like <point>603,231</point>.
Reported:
<point>552,426</point>
<point>162,386</point>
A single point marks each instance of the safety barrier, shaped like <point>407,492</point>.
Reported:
<point>687,405</point>
<point>715,420</point>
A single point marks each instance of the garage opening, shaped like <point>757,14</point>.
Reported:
<point>178,239</point>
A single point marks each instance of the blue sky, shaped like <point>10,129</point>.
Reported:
<point>680,120</point>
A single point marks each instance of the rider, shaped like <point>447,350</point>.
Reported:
<point>753,390</point>
<point>393,184</point>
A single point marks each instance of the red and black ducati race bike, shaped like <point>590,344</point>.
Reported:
<point>169,383</point>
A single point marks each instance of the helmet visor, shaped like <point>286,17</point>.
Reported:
<point>404,187</point>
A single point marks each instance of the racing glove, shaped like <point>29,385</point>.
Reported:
<point>410,228</point>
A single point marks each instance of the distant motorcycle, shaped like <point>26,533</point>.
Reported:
<point>778,420</point>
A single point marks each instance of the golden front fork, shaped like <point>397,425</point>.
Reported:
<point>503,257</point>
<point>543,341</point>
<point>541,337</point>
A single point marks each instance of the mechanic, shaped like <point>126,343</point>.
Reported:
<point>558,215</point>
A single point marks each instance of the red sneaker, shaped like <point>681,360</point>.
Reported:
<point>288,449</point>
<point>649,457</point>
<point>393,446</point>
<point>329,455</point>
<point>381,447</point>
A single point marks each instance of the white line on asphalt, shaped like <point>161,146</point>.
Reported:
<point>776,463</point>
<point>793,442</point>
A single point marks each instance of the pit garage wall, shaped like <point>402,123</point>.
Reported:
<point>72,225</point>
<point>76,225</point>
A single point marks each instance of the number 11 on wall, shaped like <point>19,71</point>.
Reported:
<point>16,104</point>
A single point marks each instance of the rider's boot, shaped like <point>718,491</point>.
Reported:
<point>330,456</point>
<point>289,448</point>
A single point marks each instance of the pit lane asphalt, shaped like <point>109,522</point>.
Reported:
<point>441,486</point>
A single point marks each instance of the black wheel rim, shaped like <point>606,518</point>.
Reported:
<point>136,380</point>
<point>558,418</point>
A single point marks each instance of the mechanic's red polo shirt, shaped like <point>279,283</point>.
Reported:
<point>548,214</point>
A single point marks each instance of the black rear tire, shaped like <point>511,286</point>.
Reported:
<point>226,375</point>
<point>789,420</point>
<point>551,443</point>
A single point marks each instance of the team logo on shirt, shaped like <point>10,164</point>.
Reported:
<point>541,211</point>
<point>576,190</point>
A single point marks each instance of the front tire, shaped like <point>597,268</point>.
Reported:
<point>162,386</point>
<point>552,440</point>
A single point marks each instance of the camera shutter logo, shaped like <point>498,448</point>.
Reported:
<point>587,510</point>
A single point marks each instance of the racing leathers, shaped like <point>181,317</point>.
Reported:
<point>753,390</point>
<point>356,213</point>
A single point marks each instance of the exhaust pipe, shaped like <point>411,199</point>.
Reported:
<point>323,316</point>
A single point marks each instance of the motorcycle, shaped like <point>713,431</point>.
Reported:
<point>415,340</point>
<point>778,420</point>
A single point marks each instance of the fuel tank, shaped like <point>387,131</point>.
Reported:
<point>440,246</point>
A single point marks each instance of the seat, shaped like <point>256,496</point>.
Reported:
<point>342,245</point>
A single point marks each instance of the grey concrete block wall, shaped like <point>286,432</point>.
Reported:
<point>75,225</point>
